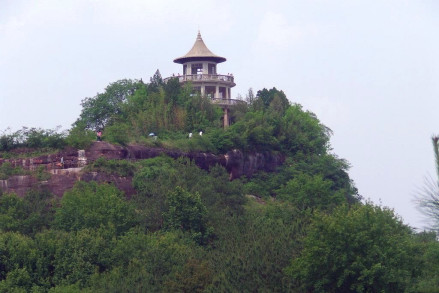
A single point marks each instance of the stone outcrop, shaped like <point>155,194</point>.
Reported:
<point>66,166</point>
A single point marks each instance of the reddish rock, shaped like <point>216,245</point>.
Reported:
<point>65,175</point>
<point>19,184</point>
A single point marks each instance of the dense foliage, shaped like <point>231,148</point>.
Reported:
<point>301,228</point>
<point>360,249</point>
<point>90,205</point>
<point>128,111</point>
<point>32,138</point>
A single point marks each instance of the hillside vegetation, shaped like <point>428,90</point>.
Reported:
<point>302,228</point>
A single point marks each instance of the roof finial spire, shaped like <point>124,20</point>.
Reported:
<point>199,52</point>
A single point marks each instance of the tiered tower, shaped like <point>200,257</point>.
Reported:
<point>200,68</point>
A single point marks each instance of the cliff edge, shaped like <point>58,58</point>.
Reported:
<point>66,166</point>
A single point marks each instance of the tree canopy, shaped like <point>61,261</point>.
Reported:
<point>299,228</point>
<point>364,248</point>
<point>98,111</point>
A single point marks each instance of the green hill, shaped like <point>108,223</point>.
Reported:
<point>302,228</point>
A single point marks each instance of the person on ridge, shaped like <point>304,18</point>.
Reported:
<point>99,135</point>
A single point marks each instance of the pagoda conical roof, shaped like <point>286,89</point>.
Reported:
<point>199,52</point>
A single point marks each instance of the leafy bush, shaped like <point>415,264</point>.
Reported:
<point>187,212</point>
<point>252,250</point>
<point>41,174</point>
<point>301,131</point>
<point>33,138</point>
<point>98,111</point>
<point>7,170</point>
<point>18,256</point>
<point>79,137</point>
<point>90,205</point>
<point>365,248</point>
<point>26,215</point>
<point>37,138</point>
<point>8,141</point>
<point>155,262</point>
<point>428,254</point>
<point>307,191</point>
<point>118,133</point>
<point>122,168</point>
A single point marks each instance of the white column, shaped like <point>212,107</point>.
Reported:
<point>217,92</point>
<point>226,117</point>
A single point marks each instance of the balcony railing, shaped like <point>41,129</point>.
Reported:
<point>227,102</point>
<point>202,77</point>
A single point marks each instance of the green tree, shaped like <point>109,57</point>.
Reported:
<point>118,133</point>
<point>428,198</point>
<point>43,138</point>
<point>99,111</point>
<point>27,215</point>
<point>17,281</point>
<point>252,249</point>
<point>79,136</point>
<point>156,178</point>
<point>152,263</point>
<point>33,138</point>
<point>365,248</point>
<point>90,205</point>
<point>8,140</point>
<point>12,212</point>
<point>156,82</point>
<point>187,213</point>
<point>67,258</point>
<point>201,113</point>
<point>306,191</point>
<point>123,168</point>
<point>195,276</point>
<point>254,132</point>
<point>428,254</point>
<point>267,97</point>
<point>18,257</point>
<point>301,131</point>
<point>250,97</point>
<point>160,176</point>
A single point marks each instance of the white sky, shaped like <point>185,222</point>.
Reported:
<point>368,69</point>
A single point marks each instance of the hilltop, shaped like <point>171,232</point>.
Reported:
<point>261,205</point>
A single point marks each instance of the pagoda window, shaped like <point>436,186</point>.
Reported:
<point>222,93</point>
<point>212,68</point>
<point>197,68</point>
<point>210,91</point>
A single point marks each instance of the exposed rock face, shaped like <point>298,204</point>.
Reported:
<point>64,176</point>
<point>18,184</point>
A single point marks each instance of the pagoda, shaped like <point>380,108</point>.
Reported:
<point>200,68</point>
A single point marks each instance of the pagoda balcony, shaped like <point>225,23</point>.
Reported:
<point>227,79</point>
<point>227,102</point>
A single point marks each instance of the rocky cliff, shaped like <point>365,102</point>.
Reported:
<point>65,167</point>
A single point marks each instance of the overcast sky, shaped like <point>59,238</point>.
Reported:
<point>369,69</point>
